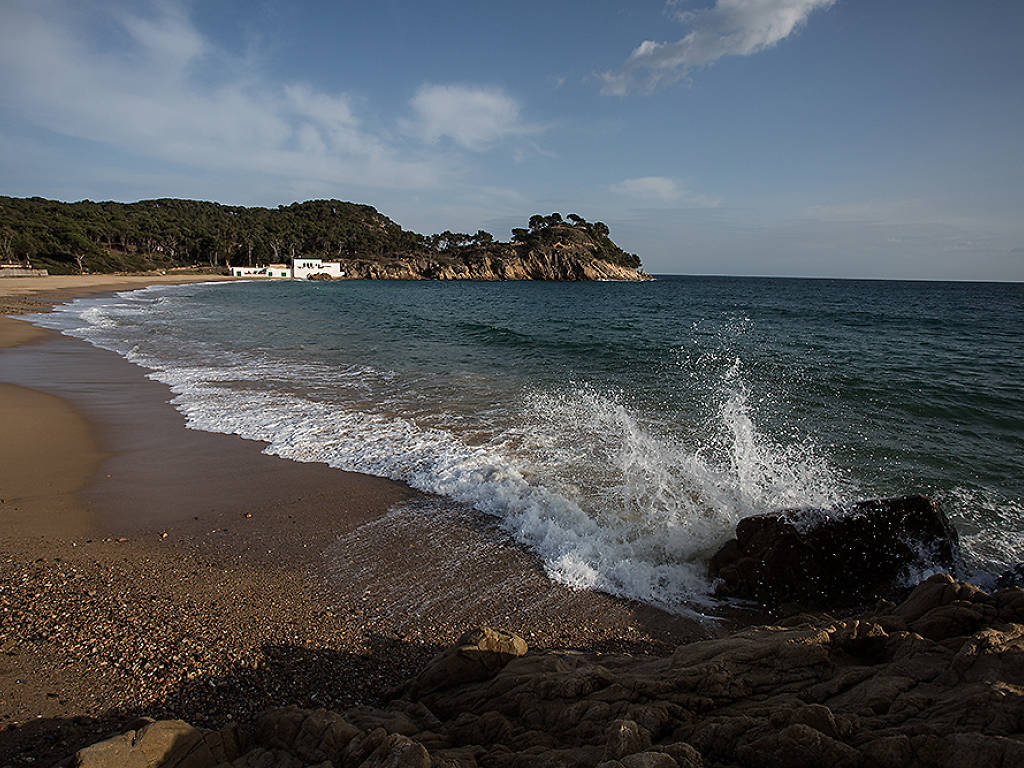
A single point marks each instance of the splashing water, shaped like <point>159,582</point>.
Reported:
<point>622,460</point>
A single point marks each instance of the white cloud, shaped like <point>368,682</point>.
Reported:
<point>170,35</point>
<point>473,117</point>
<point>165,92</point>
<point>664,189</point>
<point>649,186</point>
<point>731,27</point>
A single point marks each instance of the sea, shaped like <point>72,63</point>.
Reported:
<point>617,431</point>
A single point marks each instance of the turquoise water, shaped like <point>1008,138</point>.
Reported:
<point>618,430</point>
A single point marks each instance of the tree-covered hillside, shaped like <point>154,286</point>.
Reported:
<point>154,234</point>
<point>552,231</point>
<point>162,234</point>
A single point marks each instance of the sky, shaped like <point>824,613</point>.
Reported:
<point>819,138</point>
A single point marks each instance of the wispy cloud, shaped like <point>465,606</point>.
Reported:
<point>165,91</point>
<point>665,190</point>
<point>473,117</point>
<point>730,27</point>
<point>649,186</point>
<point>869,212</point>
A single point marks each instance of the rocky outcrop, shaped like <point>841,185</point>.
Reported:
<point>477,655</point>
<point>934,682</point>
<point>1011,577</point>
<point>511,265</point>
<point>836,557</point>
<point>551,252</point>
<point>164,743</point>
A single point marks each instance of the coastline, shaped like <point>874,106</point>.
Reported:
<point>176,573</point>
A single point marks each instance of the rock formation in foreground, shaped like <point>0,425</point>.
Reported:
<point>936,681</point>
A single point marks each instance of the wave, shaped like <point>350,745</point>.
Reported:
<point>603,502</point>
<point>608,495</point>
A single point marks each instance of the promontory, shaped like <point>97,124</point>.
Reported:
<point>165,234</point>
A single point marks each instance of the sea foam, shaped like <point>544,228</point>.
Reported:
<point>608,494</point>
<point>605,499</point>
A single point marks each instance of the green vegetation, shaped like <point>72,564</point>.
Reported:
<point>160,234</point>
<point>86,236</point>
<point>551,231</point>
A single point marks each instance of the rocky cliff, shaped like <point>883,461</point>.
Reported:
<point>513,265</point>
<point>549,251</point>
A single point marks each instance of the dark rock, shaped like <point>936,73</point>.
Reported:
<point>398,751</point>
<point>649,760</point>
<point>931,682</point>
<point>684,755</point>
<point>798,746</point>
<point>313,735</point>
<point>1012,577</point>
<point>477,656</point>
<point>844,557</point>
<point>625,737</point>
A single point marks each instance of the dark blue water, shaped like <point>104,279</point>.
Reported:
<point>617,429</point>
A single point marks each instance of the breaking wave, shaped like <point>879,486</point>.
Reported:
<point>612,488</point>
<point>606,498</point>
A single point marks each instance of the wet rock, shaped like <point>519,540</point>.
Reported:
<point>1011,577</point>
<point>821,557</point>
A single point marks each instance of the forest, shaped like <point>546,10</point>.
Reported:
<point>87,236</point>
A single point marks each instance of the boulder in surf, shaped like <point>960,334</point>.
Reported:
<point>836,557</point>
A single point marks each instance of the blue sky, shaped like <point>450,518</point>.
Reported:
<point>845,138</point>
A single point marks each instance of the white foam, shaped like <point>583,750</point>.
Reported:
<point>605,504</point>
<point>608,500</point>
<point>991,530</point>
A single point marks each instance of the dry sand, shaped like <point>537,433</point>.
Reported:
<point>146,569</point>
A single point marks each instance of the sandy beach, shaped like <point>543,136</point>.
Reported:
<point>150,570</point>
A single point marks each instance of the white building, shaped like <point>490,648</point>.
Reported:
<point>300,269</point>
<point>306,267</point>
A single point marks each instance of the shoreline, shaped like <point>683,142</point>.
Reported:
<point>237,563</point>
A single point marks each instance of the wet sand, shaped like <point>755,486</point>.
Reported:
<point>48,452</point>
<point>148,569</point>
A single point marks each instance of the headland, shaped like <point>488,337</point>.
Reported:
<point>361,242</point>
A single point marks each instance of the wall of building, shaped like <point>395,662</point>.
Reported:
<point>302,269</point>
<point>305,267</point>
